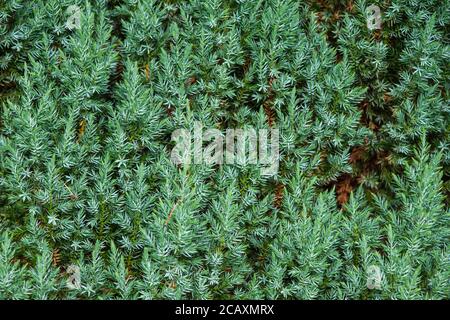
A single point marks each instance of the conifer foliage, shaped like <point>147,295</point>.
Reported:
<point>93,207</point>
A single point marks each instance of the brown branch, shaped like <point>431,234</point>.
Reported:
<point>171,212</point>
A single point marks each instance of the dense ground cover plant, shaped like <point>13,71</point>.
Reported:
<point>89,103</point>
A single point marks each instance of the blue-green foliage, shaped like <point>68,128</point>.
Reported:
<point>86,178</point>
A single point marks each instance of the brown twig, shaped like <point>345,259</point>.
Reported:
<point>278,195</point>
<point>171,212</point>
<point>56,257</point>
<point>147,72</point>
